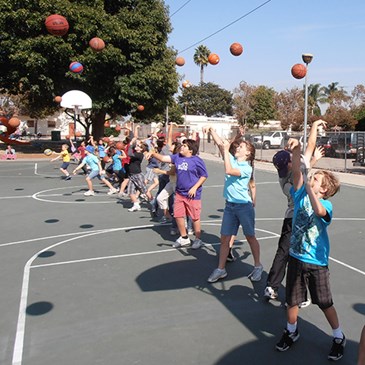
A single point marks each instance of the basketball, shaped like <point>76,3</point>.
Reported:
<point>119,145</point>
<point>140,108</point>
<point>298,71</point>
<point>56,25</point>
<point>14,122</point>
<point>97,44</point>
<point>106,158</point>
<point>186,83</point>
<point>48,152</point>
<point>213,59</point>
<point>118,128</point>
<point>78,134</point>
<point>106,139</point>
<point>76,67</point>
<point>58,99</point>
<point>107,124</point>
<point>180,61</point>
<point>236,49</point>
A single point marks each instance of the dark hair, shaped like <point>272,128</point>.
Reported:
<point>177,146</point>
<point>192,145</point>
<point>160,142</point>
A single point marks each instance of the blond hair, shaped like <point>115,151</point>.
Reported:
<point>329,182</point>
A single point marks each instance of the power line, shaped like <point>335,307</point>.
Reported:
<point>225,27</point>
<point>180,8</point>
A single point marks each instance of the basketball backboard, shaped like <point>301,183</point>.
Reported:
<point>77,100</point>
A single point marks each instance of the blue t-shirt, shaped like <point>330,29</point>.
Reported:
<point>92,161</point>
<point>117,162</point>
<point>101,150</point>
<point>188,171</point>
<point>236,187</point>
<point>309,240</point>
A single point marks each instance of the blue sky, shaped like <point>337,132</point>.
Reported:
<point>274,37</point>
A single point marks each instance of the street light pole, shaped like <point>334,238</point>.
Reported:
<point>307,59</point>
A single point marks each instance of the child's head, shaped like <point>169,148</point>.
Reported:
<point>326,183</point>
<point>175,147</point>
<point>64,147</point>
<point>281,161</point>
<point>189,147</point>
<point>141,147</point>
<point>89,149</point>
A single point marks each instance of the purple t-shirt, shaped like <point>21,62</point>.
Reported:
<point>188,171</point>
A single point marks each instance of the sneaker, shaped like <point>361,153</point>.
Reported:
<point>144,197</point>
<point>135,208</point>
<point>337,349</point>
<point>256,273</point>
<point>112,191</point>
<point>122,195</point>
<point>89,193</point>
<point>287,340</point>
<point>173,232</point>
<point>190,231</point>
<point>216,275</point>
<point>305,304</point>
<point>270,293</point>
<point>197,243</point>
<point>231,257</point>
<point>68,177</point>
<point>181,242</point>
<point>164,220</point>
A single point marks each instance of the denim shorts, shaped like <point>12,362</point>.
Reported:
<point>236,215</point>
<point>95,173</point>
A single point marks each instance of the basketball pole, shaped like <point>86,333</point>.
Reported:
<point>307,59</point>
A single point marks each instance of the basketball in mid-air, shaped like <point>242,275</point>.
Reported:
<point>140,108</point>
<point>97,44</point>
<point>185,84</point>
<point>107,124</point>
<point>213,59</point>
<point>48,152</point>
<point>180,61</point>
<point>14,122</point>
<point>119,145</point>
<point>57,24</point>
<point>76,67</point>
<point>298,71</point>
<point>57,99</point>
<point>236,49</point>
<point>106,158</point>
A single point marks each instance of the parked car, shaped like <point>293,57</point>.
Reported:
<point>269,140</point>
<point>326,143</point>
<point>339,144</point>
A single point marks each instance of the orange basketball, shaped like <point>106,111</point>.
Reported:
<point>119,145</point>
<point>118,128</point>
<point>213,59</point>
<point>58,99</point>
<point>180,61</point>
<point>97,44</point>
<point>140,108</point>
<point>57,24</point>
<point>78,134</point>
<point>14,122</point>
<point>106,158</point>
<point>236,49</point>
<point>186,83</point>
<point>107,124</point>
<point>298,71</point>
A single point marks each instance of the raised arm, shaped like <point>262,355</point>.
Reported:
<point>294,146</point>
<point>312,139</point>
<point>218,140</point>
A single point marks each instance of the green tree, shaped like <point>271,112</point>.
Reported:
<point>136,66</point>
<point>201,59</point>
<point>262,106</point>
<point>207,99</point>
<point>241,101</point>
<point>316,96</point>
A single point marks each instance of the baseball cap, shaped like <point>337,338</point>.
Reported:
<point>90,149</point>
<point>280,161</point>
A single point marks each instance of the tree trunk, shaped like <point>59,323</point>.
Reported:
<point>201,74</point>
<point>97,124</point>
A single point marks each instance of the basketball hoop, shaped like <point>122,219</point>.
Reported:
<point>77,109</point>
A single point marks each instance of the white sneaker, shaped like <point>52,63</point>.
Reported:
<point>135,208</point>
<point>305,304</point>
<point>89,193</point>
<point>256,273</point>
<point>190,231</point>
<point>181,242</point>
<point>216,275</point>
<point>197,243</point>
<point>270,293</point>
<point>112,191</point>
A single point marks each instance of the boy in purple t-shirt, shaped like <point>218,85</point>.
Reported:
<point>191,173</point>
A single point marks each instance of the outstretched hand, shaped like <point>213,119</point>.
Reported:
<point>292,144</point>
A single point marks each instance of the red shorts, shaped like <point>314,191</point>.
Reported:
<point>184,206</point>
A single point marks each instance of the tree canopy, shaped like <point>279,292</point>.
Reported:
<point>136,66</point>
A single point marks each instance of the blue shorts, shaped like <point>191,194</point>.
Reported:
<point>236,215</point>
<point>95,173</point>
<point>65,165</point>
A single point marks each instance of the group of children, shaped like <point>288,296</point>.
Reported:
<point>177,171</point>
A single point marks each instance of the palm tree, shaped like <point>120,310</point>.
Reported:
<point>316,96</point>
<point>201,59</point>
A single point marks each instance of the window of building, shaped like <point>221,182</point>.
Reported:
<point>51,124</point>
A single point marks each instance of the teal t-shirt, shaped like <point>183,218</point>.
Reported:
<point>92,161</point>
<point>236,187</point>
<point>309,240</point>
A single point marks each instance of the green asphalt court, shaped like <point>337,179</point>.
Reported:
<point>84,281</point>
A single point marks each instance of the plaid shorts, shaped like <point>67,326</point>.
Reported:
<point>301,276</point>
<point>136,183</point>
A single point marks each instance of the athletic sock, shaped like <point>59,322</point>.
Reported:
<point>337,333</point>
<point>291,327</point>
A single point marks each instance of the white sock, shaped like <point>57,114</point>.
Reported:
<point>291,327</point>
<point>337,333</point>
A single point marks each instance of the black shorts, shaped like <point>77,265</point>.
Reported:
<point>301,276</point>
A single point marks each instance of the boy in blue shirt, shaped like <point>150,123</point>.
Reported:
<point>309,252</point>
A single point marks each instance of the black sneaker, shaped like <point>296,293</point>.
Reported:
<point>68,177</point>
<point>337,349</point>
<point>231,257</point>
<point>287,340</point>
